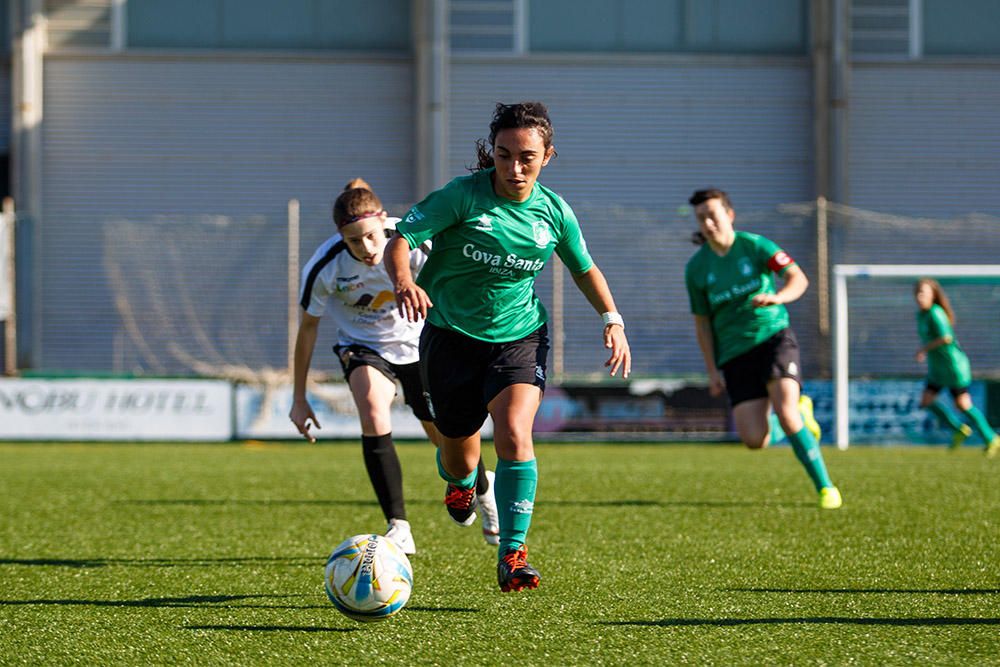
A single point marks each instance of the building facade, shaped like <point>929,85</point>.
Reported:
<point>172,114</point>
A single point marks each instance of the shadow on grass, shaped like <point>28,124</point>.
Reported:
<point>453,610</point>
<point>820,620</point>
<point>207,601</point>
<point>300,561</point>
<point>918,591</point>
<point>263,502</point>
<point>675,503</point>
<point>268,628</point>
<point>621,502</point>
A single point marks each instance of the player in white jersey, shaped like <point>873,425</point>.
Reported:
<point>376,347</point>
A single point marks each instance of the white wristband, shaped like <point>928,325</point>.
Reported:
<point>613,318</point>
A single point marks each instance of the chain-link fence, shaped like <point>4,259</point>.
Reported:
<point>209,295</point>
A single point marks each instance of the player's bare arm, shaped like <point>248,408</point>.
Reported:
<point>305,342</point>
<point>796,284</point>
<point>921,354</point>
<point>594,286</point>
<point>706,342</point>
<point>411,299</point>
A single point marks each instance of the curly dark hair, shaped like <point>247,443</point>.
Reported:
<point>513,116</point>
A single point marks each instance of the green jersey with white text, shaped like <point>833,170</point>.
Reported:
<point>721,289</point>
<point>486,253</point>
<point>947,365</point>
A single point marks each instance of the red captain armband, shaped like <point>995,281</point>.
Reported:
<point>779,260</point>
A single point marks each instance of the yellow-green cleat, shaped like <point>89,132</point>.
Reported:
<point>993,448</point>
<point>806,410</point>
<point>829,498</point>
<point>958,439</point>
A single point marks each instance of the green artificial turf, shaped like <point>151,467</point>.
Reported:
<point>701,554</point>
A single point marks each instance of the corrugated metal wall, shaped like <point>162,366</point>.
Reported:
<point>634,140</point>
<point>650,134</point>
<point>925,139</point>
<point>143,148</point>
<point>134,137</point>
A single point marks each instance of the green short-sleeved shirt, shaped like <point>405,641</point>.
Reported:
<point>486,253</point>
<point>721,288</point>
<point>947,365</point>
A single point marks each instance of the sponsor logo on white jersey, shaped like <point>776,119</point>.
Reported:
<point>348,286</point>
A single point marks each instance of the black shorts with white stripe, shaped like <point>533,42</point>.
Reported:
<point>748,374</point>
<point>353,357</point>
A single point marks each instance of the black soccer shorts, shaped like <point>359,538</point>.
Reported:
<point>748,374</point>
<point>354,356</point>
<point>462,374</point>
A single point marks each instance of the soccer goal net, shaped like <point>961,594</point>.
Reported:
<point>875,337</point>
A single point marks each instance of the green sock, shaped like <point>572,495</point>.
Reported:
<point>947,417</point>
<point>807,452</point>
<point>979,423</point>
<point>777,433</point>
<point>515,492</point>
<point>462,482</point>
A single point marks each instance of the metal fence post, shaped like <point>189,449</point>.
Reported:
<point>293,279</point>
<point>10,278</point>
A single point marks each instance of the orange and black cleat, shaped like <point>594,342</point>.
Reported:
<point>461,504</point>
<point>514,573</point>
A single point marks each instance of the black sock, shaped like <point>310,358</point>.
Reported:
<point>482,484</point>
<point>385,474</point>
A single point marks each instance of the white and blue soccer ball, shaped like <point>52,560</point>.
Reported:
<point>368,577</point>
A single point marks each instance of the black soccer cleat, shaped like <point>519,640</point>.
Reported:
<point>461,504</point>
<point>514,573</point>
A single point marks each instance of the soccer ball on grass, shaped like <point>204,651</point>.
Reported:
<point>368,577</point>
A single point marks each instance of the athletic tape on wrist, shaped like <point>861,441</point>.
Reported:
<point>613,318</point>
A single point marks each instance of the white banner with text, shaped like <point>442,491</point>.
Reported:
<point>129,410</point>
<point>263,413</point>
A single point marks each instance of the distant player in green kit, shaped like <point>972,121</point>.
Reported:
<point>742,329</point>
<point>483,349</point>
<point>947,366</point>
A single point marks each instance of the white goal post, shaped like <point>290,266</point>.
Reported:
<point>844,272</point>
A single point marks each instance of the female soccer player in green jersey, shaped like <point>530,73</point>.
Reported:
<point>947,366</point>
<point>742,329</point>
<point>484,346</point>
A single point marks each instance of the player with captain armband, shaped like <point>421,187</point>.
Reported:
<point>377,347</point>
<point>743,331</point>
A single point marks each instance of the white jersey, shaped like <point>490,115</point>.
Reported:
<point>362,299</point>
